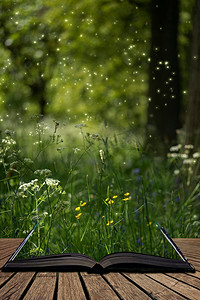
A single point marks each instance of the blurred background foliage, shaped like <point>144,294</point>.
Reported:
<point>84,62</point>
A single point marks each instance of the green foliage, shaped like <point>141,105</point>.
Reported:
<point>88,59</point>
<point>84,63</point>
<point>97,194</point>
<point>79,60</point>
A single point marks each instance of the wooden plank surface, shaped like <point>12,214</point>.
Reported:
<point>196,274</point>
<point>191,280</point>
<point>29,285</point>
<point>43,287</point>
<point>125,288</point>
<point>97,287</point>
<point>10,243</point>
<point>16,286</point>
<point>4,276</point>
<point>177,286</point>
<point>70,287</point>
<point>155,289</point>
<point>7,248</point>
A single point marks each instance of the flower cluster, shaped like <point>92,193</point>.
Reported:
<point>113,198</point>
<point>43,173</point>
<point>32,186</point>
<point>41,128</point>
<point>185,159</point>
<point>8,141</point>
<point>35,186</point>
<point>5,144</point>
<point>28,161</point>
<point>186,153</point>
<point>78,208</point>
<point>52,182</point>
<point>110,222</point>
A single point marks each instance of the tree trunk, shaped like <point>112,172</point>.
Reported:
<point>164,77</point>
<point>38,93</point>
<point>193,109</point>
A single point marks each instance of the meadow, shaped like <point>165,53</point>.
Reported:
<point>93,191</point>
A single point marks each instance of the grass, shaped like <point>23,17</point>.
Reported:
<point>93,193</point>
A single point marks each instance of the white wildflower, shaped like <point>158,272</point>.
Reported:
<point>43,172</point>
<point>23,187</point>
<point>184,156</point>
<point>51,182</point>
<point>8,141</point>
<point>76,150</point>
<point>102,155</point>
<point>173,155</point>
<point>175,148</point>
<point>28,161</point>
<point>59,149</point>
<point>32,185</point>
<point>189,161</point>
<point>189,146</point>
<point>42,127</point>
<point>196,155</point>
<point>176,172</point>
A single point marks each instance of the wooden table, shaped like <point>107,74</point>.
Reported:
<point>75,286</point>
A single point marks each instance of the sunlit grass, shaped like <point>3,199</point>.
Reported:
<point>91,193</point>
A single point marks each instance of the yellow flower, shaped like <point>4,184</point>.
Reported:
<point>126,194</point>
<point>110,202</point>
<point>149,224</point>
<point>126,199</point>
<point>77,208</point>
<point>83,204</point>
<point>107,199</point>
<point>109,222</point>
<point>114,197</point>
<point>78,216</point>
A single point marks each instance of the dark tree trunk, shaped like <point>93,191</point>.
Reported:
<point>193,109</point>
<point>42,103</point>
<point>164,82</point>
<point>38,93</point>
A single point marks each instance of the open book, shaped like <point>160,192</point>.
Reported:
<point>115,262</point>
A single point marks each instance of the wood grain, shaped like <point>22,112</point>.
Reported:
<point>98,288</point>
<point>196,274</point>
<point>70,287</point>
<point>195,264</point>
<point>191,280</point>
<point>15,287</point>
<point>11,242</point>
<point>125,288</point>
<point>7,248</point>
<point>154,288</point>
<point>4,276</point>
<point>42,288</point>
<point>177,286</point>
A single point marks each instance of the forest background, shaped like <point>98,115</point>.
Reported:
<point>137,60</point>
<point>124,70</point>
